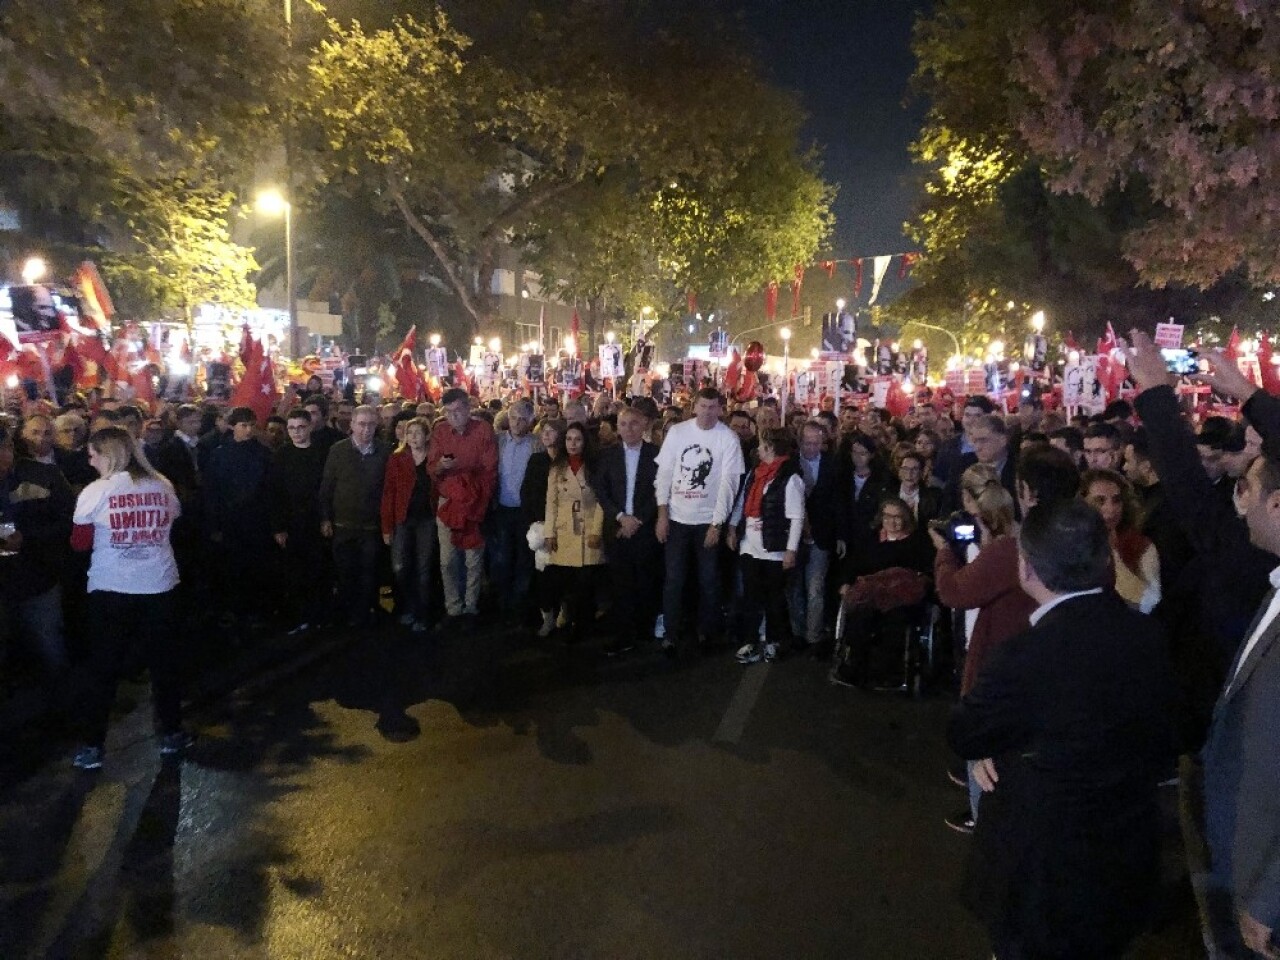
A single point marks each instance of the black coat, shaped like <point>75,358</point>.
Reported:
<point>821,504</point>
<point>609,480</point>
<point>1077,713</point>
<point>856,511</point>
<point>533,488</point>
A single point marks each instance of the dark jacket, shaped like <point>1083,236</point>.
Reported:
<point>1008,480</point>
<point>294,489</point>
<point>1077,714</point>
<point>39,500</point>
<point>235,489</point>
<point>609,480</point>
<point>533,488</point>
<point>855,511</point>
<point>74,465</point>
<point>1224,582</point>
<point>775,528</point>
<point>351,488</point>
<point>821,503</point>
<point>910,553</point>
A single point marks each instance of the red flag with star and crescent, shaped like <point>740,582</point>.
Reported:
<point>257,389</point>
<point>408,377</point>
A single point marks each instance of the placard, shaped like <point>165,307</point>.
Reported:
<point>438,362</point>
<point>610,361</point>
<point>718,343</point>
<point>955,381</point>
<point>477,355</point>
<point>536,370</point>
<point>975,381</point>
<point>880,391</point>
<point>491,367</point>
<point>1169,335</point>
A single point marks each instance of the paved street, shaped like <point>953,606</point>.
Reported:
<point>399,800</point>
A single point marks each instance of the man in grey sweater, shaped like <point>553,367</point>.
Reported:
<point>350,499</point>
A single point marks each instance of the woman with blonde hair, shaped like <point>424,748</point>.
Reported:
<point>985,584</point>
<point>408,524</point>
<point>125,517</point>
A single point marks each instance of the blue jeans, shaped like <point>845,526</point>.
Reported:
<point>683,543</point>
<point>807,592</point>
<point>975,791</point>
<point>413,551</point>
<point>510,559</point>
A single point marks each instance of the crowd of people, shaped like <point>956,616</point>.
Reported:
<point>1093,585</point>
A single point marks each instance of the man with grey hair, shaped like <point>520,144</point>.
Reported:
<point>351,513</point>
<point>70,436</point>
<point>510,559</point>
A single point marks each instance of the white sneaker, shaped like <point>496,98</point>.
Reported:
<point>659,628</point>
<point>548,624</point>
<point>749,653</point>
<point>770,652</point>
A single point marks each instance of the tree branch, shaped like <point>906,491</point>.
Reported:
<point>529,201</point>
<point>447,264</point>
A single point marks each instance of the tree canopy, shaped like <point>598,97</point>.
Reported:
<point>1103,161</point>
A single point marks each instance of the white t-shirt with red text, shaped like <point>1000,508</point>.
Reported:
<point>131,521</point>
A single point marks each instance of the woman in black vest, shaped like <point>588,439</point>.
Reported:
<point>767,520</point>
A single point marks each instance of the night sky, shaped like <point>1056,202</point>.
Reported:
<point>850,60</point>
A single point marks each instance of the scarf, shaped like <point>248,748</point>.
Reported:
<point>575,462</point>
<point>764,475</point>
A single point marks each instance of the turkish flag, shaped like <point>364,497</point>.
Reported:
<point>1232,351</point>
<point>1266,367</point>
<point>575,325</point>
<point>408,377</point>
<point>95,303</point>
<point>144,390</point>
<point>1108,342</point>
<point>771,300</point>
<point>733,372</point>
<point>257,389</point>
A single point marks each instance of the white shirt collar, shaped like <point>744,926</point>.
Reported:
<point>1041,611</point>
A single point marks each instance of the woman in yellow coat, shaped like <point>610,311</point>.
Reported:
<point>574,530</point>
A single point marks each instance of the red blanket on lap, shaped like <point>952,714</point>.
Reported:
<point>462,507</point>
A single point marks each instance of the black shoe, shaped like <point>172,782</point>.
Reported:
<point>618,648</point>
<point>961,822</point>
<point>669,648</point>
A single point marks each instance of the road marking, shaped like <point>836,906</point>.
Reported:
<point>740,707</point>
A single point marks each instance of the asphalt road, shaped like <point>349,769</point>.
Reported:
<point>480,798</point>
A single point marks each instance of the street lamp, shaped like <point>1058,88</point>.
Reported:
<point>495,345</point>
<point>1037,321</point>
<point>273,203</point>
<point>840,303</point>
<point>33,270</point>
<point>434,340</point>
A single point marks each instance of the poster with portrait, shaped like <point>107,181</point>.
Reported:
<point>535,370</point>
<point>611,361</point>
<point>491,367</point>
<point>678,375</point>
<point>34,313</point>
<point>839,332</point>
<point>718,344</point>
<point>218,380</point>
<point>438,362</point>
<point>571,374</point>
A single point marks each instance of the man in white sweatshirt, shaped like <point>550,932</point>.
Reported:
<point>699,469</point>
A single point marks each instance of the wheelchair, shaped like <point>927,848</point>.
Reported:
<point>918,630</point>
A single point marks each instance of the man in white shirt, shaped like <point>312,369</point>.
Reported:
<point>699,469</point>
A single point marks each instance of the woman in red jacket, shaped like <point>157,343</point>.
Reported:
<point>988,583</point>
<point>408,524</point>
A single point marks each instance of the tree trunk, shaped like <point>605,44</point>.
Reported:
<point>593,326</point>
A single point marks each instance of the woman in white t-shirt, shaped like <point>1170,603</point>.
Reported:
<point>125,517</point>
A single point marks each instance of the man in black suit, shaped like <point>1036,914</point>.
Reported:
<point>1074,720</point>
<point>989,437</point>
<point>806,593</point>
<point>624,485</point>
<point>1240,883</point>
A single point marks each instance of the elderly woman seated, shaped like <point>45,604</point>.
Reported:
<point>886,583</point>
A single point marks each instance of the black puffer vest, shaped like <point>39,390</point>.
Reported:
<point>774,525</point>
